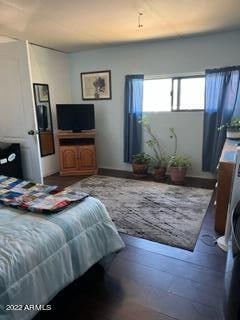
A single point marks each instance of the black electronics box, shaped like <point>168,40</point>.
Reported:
<point>10,160</point>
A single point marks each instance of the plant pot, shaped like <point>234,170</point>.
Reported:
<point>233,134</point>
<point>160,174</point>
<point>178,174</point>
<point>139,170</point>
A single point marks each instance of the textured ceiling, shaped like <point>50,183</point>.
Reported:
<point>74,25</point>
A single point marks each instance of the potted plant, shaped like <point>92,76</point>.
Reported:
<point>233,128</point>
<point>177,164</point>
<point>140,162</point>
<point>160,167</point>
<point>178,168</point>
<point>158,160</point>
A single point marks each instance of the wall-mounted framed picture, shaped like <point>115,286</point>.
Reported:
<point>96,85</point>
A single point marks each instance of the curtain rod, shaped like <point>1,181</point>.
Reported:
<point>224,69</point>
<point>174,75</point>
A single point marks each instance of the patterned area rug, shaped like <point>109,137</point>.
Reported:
<point>155,211</point>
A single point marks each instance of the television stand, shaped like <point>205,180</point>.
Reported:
<point>77,153</point>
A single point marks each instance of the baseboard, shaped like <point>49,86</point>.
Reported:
<point>197,182</point>
<point>50,173</point>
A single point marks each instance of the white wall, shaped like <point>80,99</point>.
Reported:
<point>185,55</point>
<point>51,67</point>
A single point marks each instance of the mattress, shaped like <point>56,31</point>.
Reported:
<point>42,254</point>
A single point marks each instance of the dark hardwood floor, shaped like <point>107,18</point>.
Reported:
<point>149,281</point>
<point>65,181</point>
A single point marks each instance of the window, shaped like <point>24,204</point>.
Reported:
<point>174,94</point>
<point>157,95</point>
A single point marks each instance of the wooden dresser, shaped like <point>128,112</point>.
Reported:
<point>77,153</point>
<point>224,183</point>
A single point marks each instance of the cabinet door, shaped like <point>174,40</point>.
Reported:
<point>87,158</point>
<point>68,158</point>
<point>225,174</point>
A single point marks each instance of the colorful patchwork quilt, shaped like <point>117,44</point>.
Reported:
<point>36,197</point>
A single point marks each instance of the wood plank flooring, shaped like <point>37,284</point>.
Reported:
<point>149,281</point>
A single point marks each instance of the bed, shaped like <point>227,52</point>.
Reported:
<point>41,254</point>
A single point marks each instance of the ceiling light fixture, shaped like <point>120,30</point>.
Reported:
<point>140,25</point>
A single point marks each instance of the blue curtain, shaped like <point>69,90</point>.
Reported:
<point>133,101</point>
<point>222,98</point>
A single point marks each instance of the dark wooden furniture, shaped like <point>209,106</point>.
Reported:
<point>77,153</point>
<point>224,184</point>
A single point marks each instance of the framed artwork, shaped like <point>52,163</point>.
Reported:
<point>43,95</point>
<point>96,85</point>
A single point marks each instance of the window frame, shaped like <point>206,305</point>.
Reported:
<point>179,78</point>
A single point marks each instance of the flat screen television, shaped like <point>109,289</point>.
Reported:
<point>75,117</point>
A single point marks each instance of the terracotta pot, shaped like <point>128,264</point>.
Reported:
<point>139,170</point>
<point>178,174</point>
<point>160,174</point>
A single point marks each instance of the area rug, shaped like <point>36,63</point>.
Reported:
<point>155,211</point>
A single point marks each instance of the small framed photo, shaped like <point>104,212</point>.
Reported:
<point>43,95</point>
<point>96,85</point>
